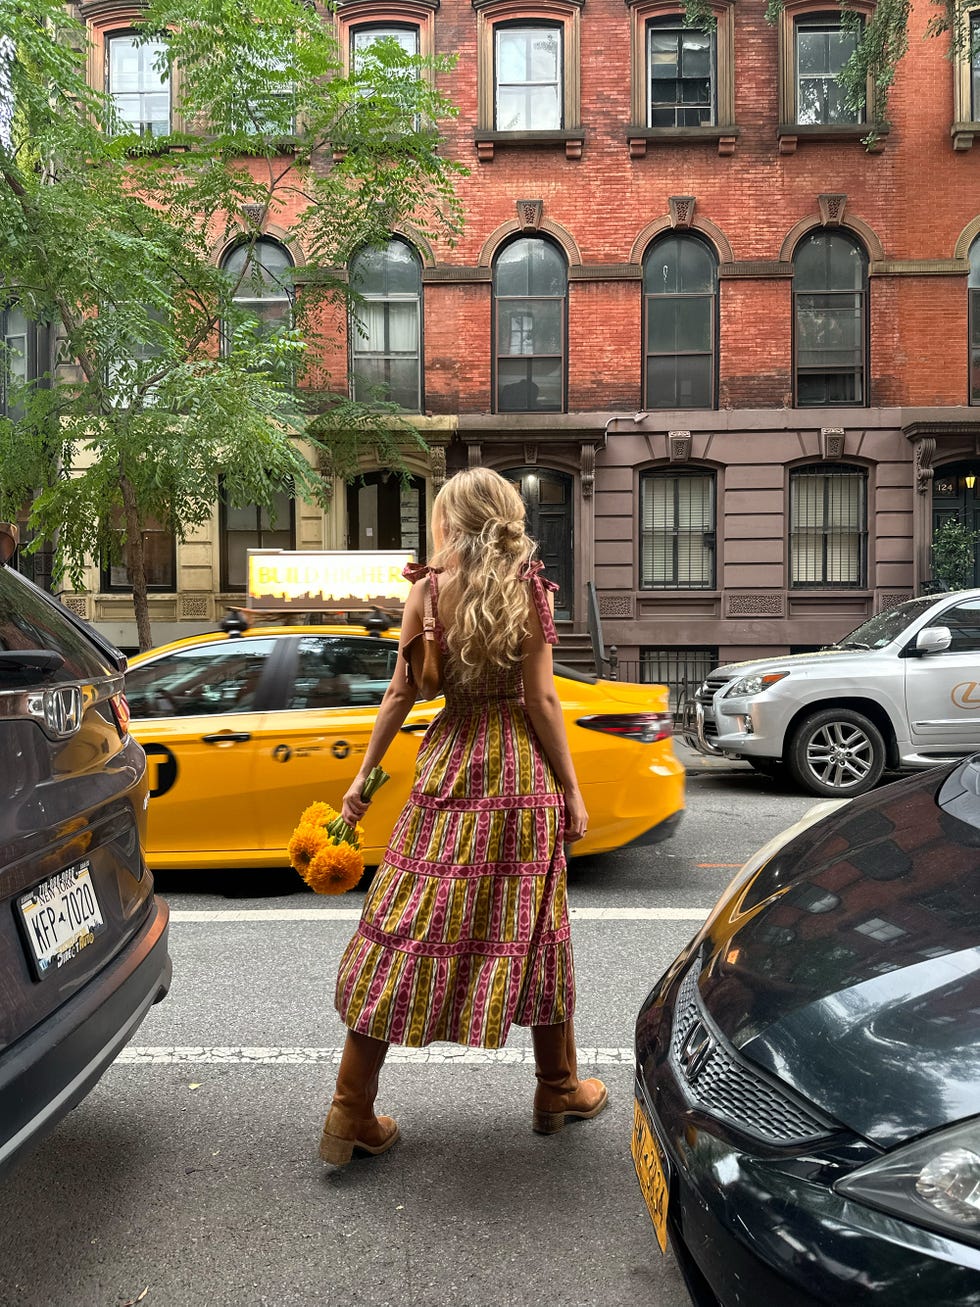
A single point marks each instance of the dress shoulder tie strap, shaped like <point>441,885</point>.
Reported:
<point>540,585</point>
<point>419,572</point>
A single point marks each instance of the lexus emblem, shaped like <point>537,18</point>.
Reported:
<point>966,694</point>
<point>696,1049</point>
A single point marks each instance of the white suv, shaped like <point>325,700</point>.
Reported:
<point>902,691</point>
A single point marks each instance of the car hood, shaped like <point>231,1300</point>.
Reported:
<point>849,964</point>
<point>818,660</point>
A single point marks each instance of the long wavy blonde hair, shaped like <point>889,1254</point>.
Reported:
<point>484,545</point>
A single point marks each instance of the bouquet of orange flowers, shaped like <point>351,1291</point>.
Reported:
<point>325,849</point>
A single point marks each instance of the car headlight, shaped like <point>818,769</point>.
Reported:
<point>754,684</point>
<point>934,1182</point>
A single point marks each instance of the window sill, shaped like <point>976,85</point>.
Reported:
<point>964,134</point>
<point>790,134</point>
<point>638,138</point>
<point>487,141</point>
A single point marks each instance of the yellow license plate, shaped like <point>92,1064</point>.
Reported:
<point>651,1173</point>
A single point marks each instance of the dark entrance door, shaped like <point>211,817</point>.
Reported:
<point>548,496</point>
<point>384,513</point>
<point>956,495</point>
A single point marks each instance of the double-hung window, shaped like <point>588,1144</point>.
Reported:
<point>830,278</point>
<point>261,280</point>
<point>828,526</point>
<point>677,530</point>
<point>530,288</point>
<point>251,527</point>
<point>681,75</point>
<point>15,361</point>
<point>680,290</point>
<point>974,314</point>
<point>159,558</point>
<point>823,46</point>
<point>136,85</point>
<point>386,326</point>
<point>528,78</point>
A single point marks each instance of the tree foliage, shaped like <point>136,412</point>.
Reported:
<point>164,380</point>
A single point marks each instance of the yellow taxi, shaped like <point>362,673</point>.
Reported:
<point>244,728</point>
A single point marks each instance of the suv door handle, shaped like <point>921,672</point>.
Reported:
<point>226,737</point>
<point>418,729</point>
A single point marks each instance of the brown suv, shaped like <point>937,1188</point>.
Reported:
<point>83,939</point>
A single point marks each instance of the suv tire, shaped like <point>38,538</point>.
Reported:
<point>836,753</point>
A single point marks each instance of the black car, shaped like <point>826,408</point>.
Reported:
<point>83,939</point>
<point>807,1117</point>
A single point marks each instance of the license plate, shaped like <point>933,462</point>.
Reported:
<point>61,917</point>
<point>651,1171</point>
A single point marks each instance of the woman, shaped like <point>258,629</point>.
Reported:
<point>465,927</point>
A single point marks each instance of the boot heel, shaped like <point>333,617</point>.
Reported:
<point>336,1150</point>
<point>547,1123</point>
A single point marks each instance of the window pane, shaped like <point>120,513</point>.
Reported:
<point>204,680</point>
<point>530,267</point>
<point>679,381</point>
<point>821,52</point>
<point>524,386</point>
<point>528,108</point>
<point>338,673</point>
<point>365,37</point>
<point>529,326</point>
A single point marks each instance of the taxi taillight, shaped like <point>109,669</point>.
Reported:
<point>120,710</point>
<point>647,727</point>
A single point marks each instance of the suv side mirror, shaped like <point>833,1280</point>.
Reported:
<point>933,639</point>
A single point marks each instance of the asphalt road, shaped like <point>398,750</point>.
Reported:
<point>189,1177</point>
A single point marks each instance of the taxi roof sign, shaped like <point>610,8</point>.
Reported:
<point>291,580</point>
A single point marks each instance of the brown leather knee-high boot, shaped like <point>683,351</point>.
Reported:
<point>560,1093</point>
<point>351,1122</point>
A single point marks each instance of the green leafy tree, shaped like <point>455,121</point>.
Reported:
<point>163,379</point>
<point>954,547</point>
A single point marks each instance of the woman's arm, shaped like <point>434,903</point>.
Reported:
<point>544,709</point>
<point>399,698</point>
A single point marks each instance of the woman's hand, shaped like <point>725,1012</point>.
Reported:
<point>354,807</point>
<point>576,818</point>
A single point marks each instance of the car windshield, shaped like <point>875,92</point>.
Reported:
<point>885,627</point>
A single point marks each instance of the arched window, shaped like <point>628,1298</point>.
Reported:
<point>828,526</point>
<point>680,292</point>
<point>386,326</point>
<point>974,293</point>
<point>830,278</point>
<point>530,292</point>
<point>261,277</point>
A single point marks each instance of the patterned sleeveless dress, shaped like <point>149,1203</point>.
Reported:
<point>465,926</point>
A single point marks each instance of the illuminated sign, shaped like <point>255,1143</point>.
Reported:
<point>282,579</point>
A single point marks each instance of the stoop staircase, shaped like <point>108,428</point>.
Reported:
<point>574,648</point>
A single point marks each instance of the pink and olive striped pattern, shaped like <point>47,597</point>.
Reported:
<point>465,927</point>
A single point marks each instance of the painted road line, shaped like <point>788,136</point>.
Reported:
<point>290,1055</point>
<point>256,916</point>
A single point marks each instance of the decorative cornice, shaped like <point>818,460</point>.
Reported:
<point>919,268</point>
<point>455,274</point>
<point>606,272</point>
<point>756,268</point>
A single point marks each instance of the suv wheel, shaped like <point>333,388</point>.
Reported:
<point>838,753</point>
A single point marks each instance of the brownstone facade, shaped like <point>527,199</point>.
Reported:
<point>748,544</point>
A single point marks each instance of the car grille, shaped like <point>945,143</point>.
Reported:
<point>710,687</point>
<point>727,1088</point>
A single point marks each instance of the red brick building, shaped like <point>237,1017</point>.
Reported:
<point>723,344</point>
